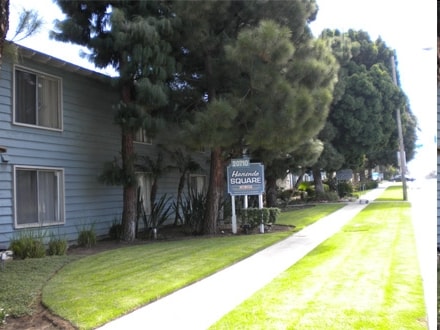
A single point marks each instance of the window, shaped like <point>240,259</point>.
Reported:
<point>142,137</point>
<point>37,99</point>
<point>198,183</point>
<point>39,196</point>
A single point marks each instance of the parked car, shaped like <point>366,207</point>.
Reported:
<point>398,178</point>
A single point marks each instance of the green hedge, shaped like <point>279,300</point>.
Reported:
<point>254,216</point>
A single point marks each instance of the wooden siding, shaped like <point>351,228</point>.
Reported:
<point>88,139</point>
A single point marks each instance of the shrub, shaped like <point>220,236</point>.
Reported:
<point>372,184</point>
<point>330,196</point>
<point>87,237</point>
<point>345,188</point>
<point>255,216</point>
<point>115,231</point>
<point>274,212</point>
<point>306,189</point>
<point>57,246</point>
<point>285,195</point>
<point>28,244</point>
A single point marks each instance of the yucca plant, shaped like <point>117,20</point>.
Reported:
<point>193,209</point>
<point>160,212</point>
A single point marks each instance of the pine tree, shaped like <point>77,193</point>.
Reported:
<point>4,23</point>
<point>256,88</point>
<point>131,37</point>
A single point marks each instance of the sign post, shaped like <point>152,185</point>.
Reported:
<point>244,178</point>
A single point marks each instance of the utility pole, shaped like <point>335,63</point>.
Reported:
<point>401,146</point>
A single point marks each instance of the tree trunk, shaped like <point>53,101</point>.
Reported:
<point>215,188</point>
<point>362,177</point>
<point>129,194</point>
<point>319,187</point>
<point>300,179</point>
<point>271,191</point>
<point>179,197</point>
<point>4,25</point>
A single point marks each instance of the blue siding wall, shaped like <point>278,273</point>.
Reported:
<point>89,138</point>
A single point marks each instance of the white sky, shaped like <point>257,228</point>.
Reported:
<point>406,26</point>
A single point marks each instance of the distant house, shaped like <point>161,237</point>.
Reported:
<point>56,132</point>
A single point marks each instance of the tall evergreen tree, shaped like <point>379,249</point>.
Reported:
<point>233,108</point>
<point>365,100</point>
<point>283,95</point>
<point>4,23</point>
<point>131,37</point>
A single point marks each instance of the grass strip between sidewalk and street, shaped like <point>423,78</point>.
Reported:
<point>98,288</point>
<point>364,277</point>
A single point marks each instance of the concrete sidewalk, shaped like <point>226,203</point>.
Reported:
<point>201,304</point>
<point>422,195</point>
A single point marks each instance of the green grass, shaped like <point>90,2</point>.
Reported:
<point>303,217</point>
<point>99,288</point>
<point>96,289</point>
<point>364,277</point>
<point>22,281</point>
<point>392,193</point>
<point>116,282</point>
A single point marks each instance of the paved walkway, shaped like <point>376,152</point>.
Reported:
<point>422,195</point>
<point>221,292</point>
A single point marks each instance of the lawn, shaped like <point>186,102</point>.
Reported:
<point>116,282</point>
<point>364,277</point>
<point>303,217</point>
<point>22,282</point>
<point>392,193</point>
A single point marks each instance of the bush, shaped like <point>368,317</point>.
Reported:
<point>285,195</point>
<point>306,189</point>
<point>28,244</point>
<point>57,246</point>
<point>345,189</point>
<point>87,237</point>
<point>115,231</point>
<point>255,216</point>
<point>371,185</point>
<point>303,186</point>
<point>274,212</point>
<point>330,196</point>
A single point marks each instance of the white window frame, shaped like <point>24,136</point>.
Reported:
<point>59,93</point>
<point>60,203</point>
<point>142,137</point>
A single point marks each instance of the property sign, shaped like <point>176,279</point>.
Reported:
<point>245,178</point>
